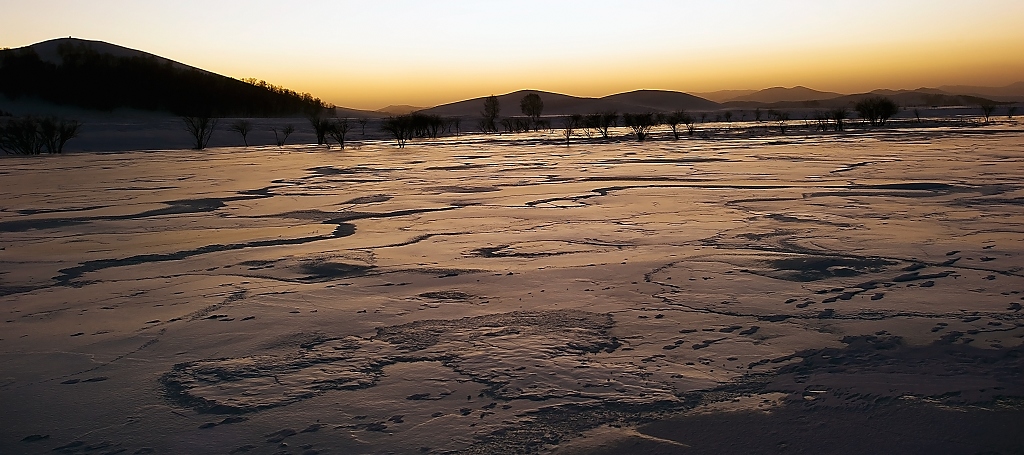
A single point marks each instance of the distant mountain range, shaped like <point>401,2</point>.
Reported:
<point>99,75</point>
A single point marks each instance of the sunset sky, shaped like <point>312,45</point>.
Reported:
<point>368,54</point>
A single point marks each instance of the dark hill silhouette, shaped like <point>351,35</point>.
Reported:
<point>50,51</point>
<point>783,94</point>
<point>918,97</point>
<point>662,100</point>
<point>559,104</point>
<point>1013,92</point>
<point>399,109</point>
<point>103,76</point>
<point>721,96</point>
<point>905,98</point>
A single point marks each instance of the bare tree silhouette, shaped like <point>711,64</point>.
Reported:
<point>200,128</point>
<point>243,127</point>
<point>839,115</point>
<point>569,125</point>
<point>400,128</point>
<point>1010,111</point>
<point>687,120</point>
<point>320,123</point>
<point>283,137</point>
<point>641,124</point>
<point>987,109</point>
<point>822,118</point>
<point>20,136</point>
<point>492,108</point>
<point>455,122</point>
<point>673,120</point>
<point>362,126</point>
<point>55,133</point>
<point>338,130</point>
<point>780,118</point>
<point>532,106</point>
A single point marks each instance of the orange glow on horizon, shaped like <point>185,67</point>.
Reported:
<point>369,55</point>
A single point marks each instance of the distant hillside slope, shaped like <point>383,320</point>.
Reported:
<point>399,109</point>
<point>905,98</point>
<point>559,104</point>
<point>919,97</point>
<point>783,94</point>
<point>721,96</point>
<point>103,76</point>
<point>662,100</point>
<point>1013,92</point>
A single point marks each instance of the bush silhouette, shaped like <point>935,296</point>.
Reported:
<point>673,120</point>
<point>641,124</point>
<point>20,136</point>
<point>31,136</point>
<point>877,110</point>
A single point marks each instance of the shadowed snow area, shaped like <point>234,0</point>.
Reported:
<point>470,295</point>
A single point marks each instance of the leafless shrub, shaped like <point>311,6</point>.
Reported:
<point>20,136</point>
<point>54,133</point>
<point>780,118</point>
<point>986,110</point>
<point>283,136</point>
<point>338,130</point>
<point>320,123</point>
<point>242,127</point>
<point>399,127</point>
<point>839,115</point>
<point>569,125</point>
<point>200,128</point>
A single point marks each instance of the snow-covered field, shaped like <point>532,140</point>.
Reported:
<point>495,294</point>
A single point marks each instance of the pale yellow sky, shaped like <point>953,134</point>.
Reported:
<point>370,54</point>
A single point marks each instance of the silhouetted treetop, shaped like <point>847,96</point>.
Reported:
<point>94,80</point>
<point>532,106</point>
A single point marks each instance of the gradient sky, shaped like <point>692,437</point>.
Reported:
<point>372,53</point>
